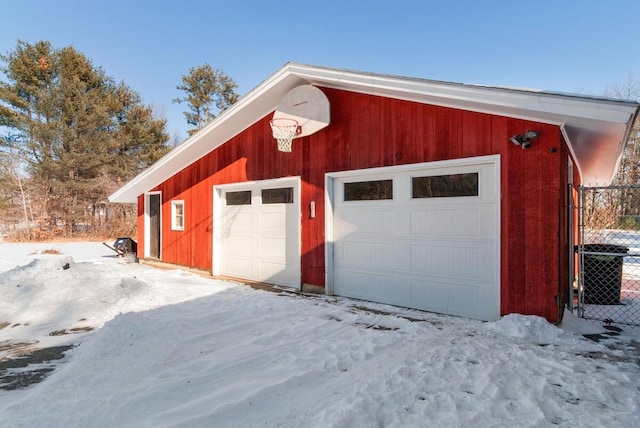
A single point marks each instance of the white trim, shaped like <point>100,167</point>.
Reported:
<point>328,233</point>
<point>174,225</point>
<point>147,224</point>
<point>216,218</point>
<point>563,131</point>
<point>218,208</point>
<point>329,211</point>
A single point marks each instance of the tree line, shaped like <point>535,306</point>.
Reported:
<point>70,135</point>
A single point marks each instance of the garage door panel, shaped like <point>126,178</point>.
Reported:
<point>375,222</point>
<point>469,261</point>
<point>461,221</point>
<point>455,299</point>
<point>239,244</point>
<point>273,247</point>
<point>236,266</point>
<point>238,219</point>
<point>366,254</point>
<point>275,271</point>
<point>429,295</point>
<point>274,220</point>
<point>450,260</point>
<point>372,286</point>
<point>464,297</point>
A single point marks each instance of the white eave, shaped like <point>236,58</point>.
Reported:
<point>596,129</point>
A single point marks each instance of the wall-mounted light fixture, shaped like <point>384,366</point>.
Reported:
<point>524,140</point>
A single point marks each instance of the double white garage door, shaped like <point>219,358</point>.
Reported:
<point>421,236</point>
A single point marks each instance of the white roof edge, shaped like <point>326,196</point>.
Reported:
<point>603,115</point>
<point>585,107</point>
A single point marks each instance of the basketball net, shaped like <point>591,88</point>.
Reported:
<point>283,130</point>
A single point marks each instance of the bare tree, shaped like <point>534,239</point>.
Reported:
<point>14,184</point>
<point>619,208</point>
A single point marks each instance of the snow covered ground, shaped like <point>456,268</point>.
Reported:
<point>170,348</point>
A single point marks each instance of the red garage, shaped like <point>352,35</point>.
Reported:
<point>438,196</point>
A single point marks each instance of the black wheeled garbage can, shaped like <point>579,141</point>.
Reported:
<point>603,273</point>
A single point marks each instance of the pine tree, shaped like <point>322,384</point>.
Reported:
<point>209,92</point>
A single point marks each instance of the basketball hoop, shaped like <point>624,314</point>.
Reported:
<point>284,129</point>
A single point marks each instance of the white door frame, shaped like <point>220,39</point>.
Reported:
<point>330,177</point>
<point>218,209</point>
<point>147,225</point>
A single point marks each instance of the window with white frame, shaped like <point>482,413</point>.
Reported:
<point>177,215</point>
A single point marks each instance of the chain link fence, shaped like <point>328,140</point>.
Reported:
<point>608,254</point>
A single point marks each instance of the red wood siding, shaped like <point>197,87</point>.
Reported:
<point>370,131</point>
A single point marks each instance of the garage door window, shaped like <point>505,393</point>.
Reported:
<point>282,195</point>
<point>239,198</point>
<point>368,190</point>
<point>445,186</point>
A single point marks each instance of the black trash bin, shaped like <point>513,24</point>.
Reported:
<point>603,273</point>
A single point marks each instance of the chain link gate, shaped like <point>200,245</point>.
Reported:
<point>607,287</point>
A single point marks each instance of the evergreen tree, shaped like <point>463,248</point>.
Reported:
<point>209,92</point>
<point>80,132</point>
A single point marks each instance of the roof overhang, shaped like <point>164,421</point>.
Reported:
<point>595,129</point>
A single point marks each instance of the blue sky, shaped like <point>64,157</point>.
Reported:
<point>579,46</point>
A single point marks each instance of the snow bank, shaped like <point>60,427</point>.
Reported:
<point>532,328</point>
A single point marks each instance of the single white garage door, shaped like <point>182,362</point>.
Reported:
<point>422,236</point>
<point>257,230</point>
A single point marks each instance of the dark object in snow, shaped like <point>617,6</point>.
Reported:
<point>123,247</point>
<point>65,266</point>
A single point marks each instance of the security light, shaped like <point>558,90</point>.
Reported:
<point>524,140</point>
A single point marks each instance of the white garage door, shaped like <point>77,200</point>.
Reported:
<point>423,236</point>
<point>257,230</point>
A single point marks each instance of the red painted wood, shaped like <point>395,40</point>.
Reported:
<point>369,131</point>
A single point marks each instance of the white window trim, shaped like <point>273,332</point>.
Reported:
<point>174,217</point>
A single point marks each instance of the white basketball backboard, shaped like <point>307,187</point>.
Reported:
<point>308,105</point>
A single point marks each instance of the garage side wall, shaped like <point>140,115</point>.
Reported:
<point>370,131</point>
